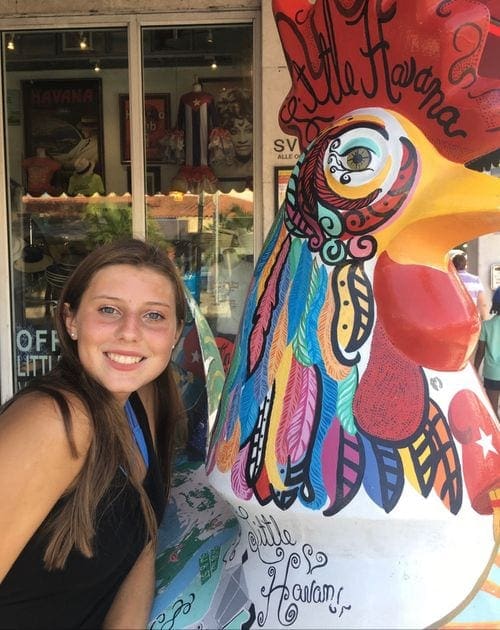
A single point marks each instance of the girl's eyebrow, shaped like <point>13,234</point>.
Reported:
<point>118,299</point>
<point>153,303</point>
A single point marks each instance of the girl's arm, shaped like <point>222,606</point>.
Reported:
<point>132,604</point>
<point>36,467</point>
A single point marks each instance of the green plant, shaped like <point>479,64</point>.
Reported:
<point>106,224</point>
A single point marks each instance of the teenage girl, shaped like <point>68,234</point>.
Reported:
<point>85,451</point>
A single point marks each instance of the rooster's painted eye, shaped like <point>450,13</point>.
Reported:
<point>357,158</point>
<point>363,155</point>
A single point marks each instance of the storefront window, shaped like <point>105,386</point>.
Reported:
<point>72,162</point>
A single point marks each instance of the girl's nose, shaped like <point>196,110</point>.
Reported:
<point>129,327</point>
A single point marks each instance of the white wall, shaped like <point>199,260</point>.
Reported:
<point>276,83</point>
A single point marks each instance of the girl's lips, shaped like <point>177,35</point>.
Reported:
<point>124,359</point>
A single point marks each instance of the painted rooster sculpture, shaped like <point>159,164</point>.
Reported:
<point>353,438</point>
<point>355,457</point>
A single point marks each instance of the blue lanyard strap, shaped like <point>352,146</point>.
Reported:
<point>137,431</point>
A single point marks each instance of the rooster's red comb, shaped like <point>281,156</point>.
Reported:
<point>426,59</point>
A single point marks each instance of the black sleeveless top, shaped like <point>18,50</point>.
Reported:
<point>80,595</point>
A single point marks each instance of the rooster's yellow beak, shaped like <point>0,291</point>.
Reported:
<point>449,205</point>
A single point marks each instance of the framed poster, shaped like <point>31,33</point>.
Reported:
<point>494,277</point>
<point>281,177</point>
<point>157,114</point>
<point>234,107</point>
<point>63,117</point>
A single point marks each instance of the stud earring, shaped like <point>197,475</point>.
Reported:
<point>73,335</point>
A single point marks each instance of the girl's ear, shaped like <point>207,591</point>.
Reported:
<point>69,320</point>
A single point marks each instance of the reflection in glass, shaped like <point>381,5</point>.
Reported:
<point>67,194</point>
<point>202,210</point>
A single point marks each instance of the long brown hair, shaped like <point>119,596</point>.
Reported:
<point>112,444</point>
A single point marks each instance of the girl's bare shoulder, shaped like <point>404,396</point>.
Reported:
<point>37,416</point>
<point>37,465</point>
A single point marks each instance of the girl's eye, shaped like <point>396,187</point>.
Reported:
<point>155,316</point>
<point>108,310</point>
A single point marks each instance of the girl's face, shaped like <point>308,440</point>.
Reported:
<point>125,327</point>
